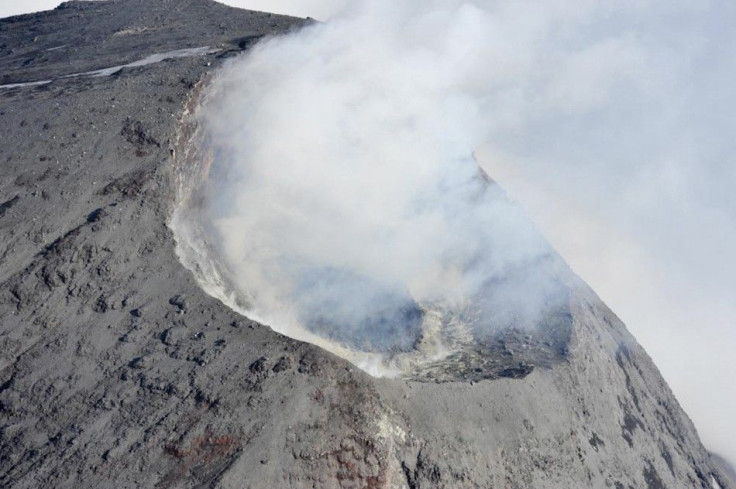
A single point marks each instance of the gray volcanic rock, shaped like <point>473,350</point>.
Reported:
<point>117,370</point>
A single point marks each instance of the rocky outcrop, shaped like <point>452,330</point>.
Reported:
<point>117,370</point>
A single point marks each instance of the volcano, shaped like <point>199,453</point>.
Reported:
<point>125,364</point>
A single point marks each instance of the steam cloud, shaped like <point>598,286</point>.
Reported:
<point>353,200</point>
<point>612,123</point>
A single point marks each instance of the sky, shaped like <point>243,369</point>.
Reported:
<point>319,10</point>
<point>619,144</point>
<point>14,7</point>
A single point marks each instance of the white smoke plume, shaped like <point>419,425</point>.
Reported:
<point>347,195</point>
<point>612,123</point>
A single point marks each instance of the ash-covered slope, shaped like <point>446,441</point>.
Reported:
<point>116,370</point>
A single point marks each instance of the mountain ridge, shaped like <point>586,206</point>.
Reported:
<point>116,368</point>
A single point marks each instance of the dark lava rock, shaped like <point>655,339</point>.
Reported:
<point>180,302</point>
<point>96,215</point>
<point>258,366</point>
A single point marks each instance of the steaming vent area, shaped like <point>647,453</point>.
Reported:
<point>404,338</point>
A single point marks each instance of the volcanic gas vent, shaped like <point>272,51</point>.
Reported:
<point>514,321</point>
<point>356,311</point>
<point>392,249</point>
